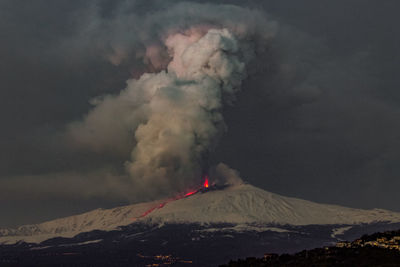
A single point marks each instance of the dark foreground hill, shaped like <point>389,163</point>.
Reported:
<point>178,245</point>
<point>379,249</point>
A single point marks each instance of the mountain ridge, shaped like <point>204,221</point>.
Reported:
<point>240,204</point>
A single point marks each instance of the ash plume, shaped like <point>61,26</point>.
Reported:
<point>170,119</point>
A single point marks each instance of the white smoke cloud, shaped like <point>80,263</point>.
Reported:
<point>130,34</point>
<point>184,117</point>
<point>171,119</point>
<point>227,176</point>
<point>131,37</point>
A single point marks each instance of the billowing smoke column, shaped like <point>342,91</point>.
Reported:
<point>174,116</point>
<point>183,105</point>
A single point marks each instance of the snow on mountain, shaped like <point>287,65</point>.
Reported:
<point>241,204</point>
<point>248,204</point>
<point>99,219</point>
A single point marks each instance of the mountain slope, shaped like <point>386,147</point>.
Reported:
<point>249,204</point>
<point>242,204</point>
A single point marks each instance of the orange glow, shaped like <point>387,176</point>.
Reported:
<point>190,193</point>
<point>162,204</point>
<point>206,182</point>
<point>147,212</point>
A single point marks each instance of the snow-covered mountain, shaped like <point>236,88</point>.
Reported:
<point>243,205</point>
<point>248,204</point>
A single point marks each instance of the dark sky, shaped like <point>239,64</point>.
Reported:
<point>318,117</point>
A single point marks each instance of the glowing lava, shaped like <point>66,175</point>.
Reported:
<point>206,182</point>
<point>191,193</point>
<point>161,205</point>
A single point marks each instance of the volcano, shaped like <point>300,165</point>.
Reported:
<point>242,204</point>
<point>251,220</point>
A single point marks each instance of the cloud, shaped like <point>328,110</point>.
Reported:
<point>227,176</point>
<point>174,116</point>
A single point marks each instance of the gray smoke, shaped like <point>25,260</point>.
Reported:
<point>171,119</point>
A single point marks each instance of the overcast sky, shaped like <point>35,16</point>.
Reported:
<point>317,118</point>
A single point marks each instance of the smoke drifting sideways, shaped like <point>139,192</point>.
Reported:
<point>171,119</point>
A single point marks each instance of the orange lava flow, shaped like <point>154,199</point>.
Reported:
<point>147,212</point>
<point>162,204</point>
<point>191,193</point>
